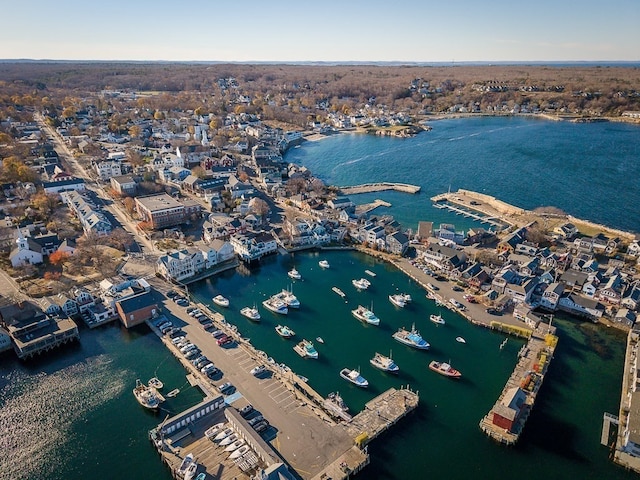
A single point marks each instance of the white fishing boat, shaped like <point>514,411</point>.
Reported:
<point>437,319</point>
<point>354,377</point>
<point>251,313</point>
<point>285,331</point>
<point>398,300</point>
<point>319,340</point>
<point>365,315</point>
<point>289,299</point>
<point>370,273</point>
<point>276,305</point>
<point>412,338</point>
<point>361,284</point>
<point>323,264</point>
<point>306,349</point>
<point>384,363</point>
<point>239,452</point>
<point>155,383</point>
<point>221,301</point>
<point>146,396</point>
<point>295,274</point>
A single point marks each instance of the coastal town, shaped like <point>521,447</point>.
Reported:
<point>106,224</point>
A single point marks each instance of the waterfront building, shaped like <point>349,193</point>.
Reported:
<point>253,246</point>
<point>582,306</point>
<point>135,310</point>
<point>59,304</point>
<point>397,243</point>
<point>631,297</point>
<point>551,296</point>
<point>443,258</point>
<point>176,266</point>
<point>34,332</point>
<point>507,412</point>
<point>5,340</point>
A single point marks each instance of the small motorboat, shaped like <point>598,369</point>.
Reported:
<point>239,452</point>
<point>173,392</point>
<point>398,300</point>
<point>361,284</point>
<point>370,273</point>
<point>223,434</point>
<point>319,340</point>
<point>354,377</point>
<point>285,331</point>
<point>213,431</point>
<point>437,319</point>
<point>234,445</point>
<point>295,274</point>
<point>184,465</point>
<point>251,313</point>
<point>191,471</point>
<point>230,439</point>
<point>221,301</point>
<point>323,264</point>
<point>156,383</point>
<point>460,340</point>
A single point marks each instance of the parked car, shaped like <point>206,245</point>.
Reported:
<point>226,341</point>
<point>207,326</point>
<point>222,339</point>
<point>225,387</point>
<point>213,372</point>
<point>194,312</point>
<point>261,426</point>
<point>192,353</point>
<point>177,340</point>
<point>218,334</point>
<point>255,420</point>
<point>190,309</point>
<point>182,302</point>
<point>166,330</point>
<point>187,347</point>
<point>177,332</point>
<point>246,411</point>
<point>207,368</point>
<point>458,288</point>
<point>172,294</point>
<point>493,311</point>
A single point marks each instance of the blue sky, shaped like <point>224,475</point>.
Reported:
<point>329,30</point>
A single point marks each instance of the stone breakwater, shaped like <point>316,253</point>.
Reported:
<point>379,187</point>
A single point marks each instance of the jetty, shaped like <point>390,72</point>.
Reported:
<point>506,420</point>
<point>369,207</point>
<point>379,187</point>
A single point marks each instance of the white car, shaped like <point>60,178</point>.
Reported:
<point>177,340</point>
<point>195,312</point>
<point>207,367</point>
<point>187,347</point>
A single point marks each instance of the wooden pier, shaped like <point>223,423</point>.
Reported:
<point>379,187</point>
<point>505,421</point>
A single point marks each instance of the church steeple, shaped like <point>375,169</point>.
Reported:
<point>22,242</point>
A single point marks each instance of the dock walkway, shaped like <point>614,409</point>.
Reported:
<point>379,187</point>
<point>505,421</point>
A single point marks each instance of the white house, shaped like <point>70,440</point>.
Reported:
<point>26,252</point>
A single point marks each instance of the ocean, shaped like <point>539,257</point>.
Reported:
<point>71,414</point>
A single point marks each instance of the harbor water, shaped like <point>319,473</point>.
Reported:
<point>72,414</point>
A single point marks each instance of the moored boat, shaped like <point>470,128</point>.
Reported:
<point>365,315</point>
<point>407,297</point>
<point>239,452</point>
<point>411,338</point>
<point>323,264</point>
<point>370,273</point>
<point>276,305</point>
<point>223,434</point>
<point>354,377</point>
<point>146,396</point>
<point>234,445</point>
<point>173,392</point>
<point>221,301</point>
<point>289,299</point>
<point>460,340</point>
<point>361,284</point>
<point>285,331</point>
<point>251,313</point>
<point>339,292</point>
<point>191,471</point>
<point>319,340</point>
<point>230,439</point>
<point>398,300</point>
<point>155,383</point>
<point>384,363</point>
<point>437,319</point>
<point>295,274</point>
<point>185,464</point>
<point>444,369</point>
<point>336,406</point>
<point>211,432</point>
<point>306,349</point>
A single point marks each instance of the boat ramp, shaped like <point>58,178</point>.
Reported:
<point>505,421</point>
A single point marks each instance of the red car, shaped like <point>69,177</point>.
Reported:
<point>223,339</point>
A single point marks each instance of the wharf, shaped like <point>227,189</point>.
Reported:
<point>379,187</point>
<point>506,420</point>
<point>369,207</point>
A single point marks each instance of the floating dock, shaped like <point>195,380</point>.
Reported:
<point>505,421</point>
